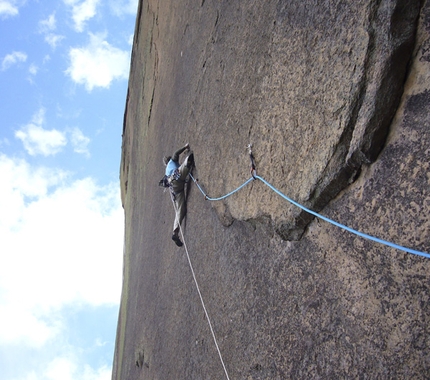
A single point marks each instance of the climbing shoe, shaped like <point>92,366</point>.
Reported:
<point>176,239</point>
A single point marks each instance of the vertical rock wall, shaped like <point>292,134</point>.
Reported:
<point>334,96</point>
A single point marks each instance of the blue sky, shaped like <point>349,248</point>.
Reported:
<point>64,67</point>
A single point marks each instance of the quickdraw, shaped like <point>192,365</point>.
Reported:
<point>251,156</point>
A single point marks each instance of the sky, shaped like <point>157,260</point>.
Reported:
<point>64,67</point>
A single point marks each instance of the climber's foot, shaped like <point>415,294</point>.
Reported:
<point>176,239</point>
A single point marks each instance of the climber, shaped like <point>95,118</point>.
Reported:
<point>175,178</point>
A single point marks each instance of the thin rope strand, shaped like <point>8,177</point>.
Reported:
<point>201,297</point>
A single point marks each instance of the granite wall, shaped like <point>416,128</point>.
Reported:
<point>333,95</point>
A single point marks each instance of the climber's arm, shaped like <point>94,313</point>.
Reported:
<point>176,155</point>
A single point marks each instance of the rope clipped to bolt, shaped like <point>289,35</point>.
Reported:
<point>254,176</point>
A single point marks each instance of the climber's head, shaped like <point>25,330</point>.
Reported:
<point>166,159</point>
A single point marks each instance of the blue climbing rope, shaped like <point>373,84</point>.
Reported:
<point>358,233</point>
<point>351,230</point>
<point>224,196</point>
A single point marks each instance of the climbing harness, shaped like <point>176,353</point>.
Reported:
<point>346,228</point>
<point>166,182</point>
<point>176,175</point>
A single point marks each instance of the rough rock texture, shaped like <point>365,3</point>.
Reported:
<point>334,97</point>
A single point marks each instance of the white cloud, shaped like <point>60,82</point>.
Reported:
<point>49,24</point>
<point>39,117</point>
<point>67,369</point>
<point>53,39</point>
<point>4,142</point>
<point>82,11</point>
<point>61,368</point>
<point>25,328</point>
<point>124,7</point>
<point>131,39</point>
<point>38,140</point>
<point>33,69</point>
<point>98,63</point>
<point>13,58</point>
<point>8,8</point>
<point>61,244</point>
<point>103,373</point>
<point>47,28</point>
<point>80,142</point>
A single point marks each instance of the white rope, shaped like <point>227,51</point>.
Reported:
<point>201,298</point>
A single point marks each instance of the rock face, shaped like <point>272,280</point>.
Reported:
<point>333,95</point>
